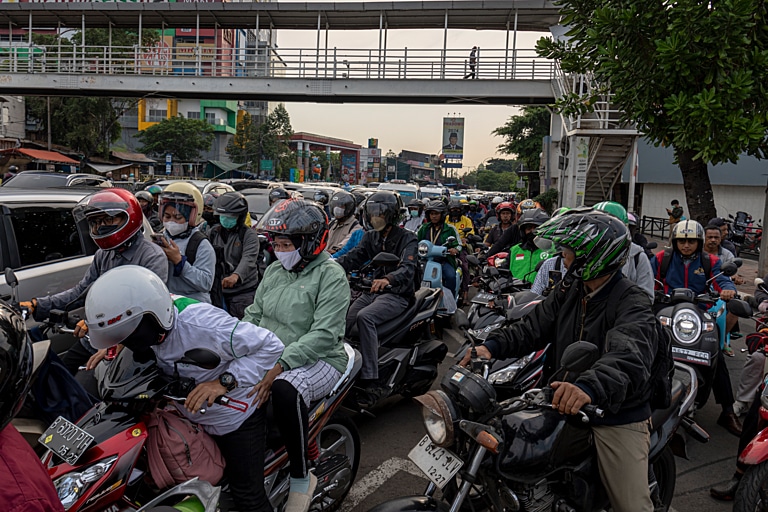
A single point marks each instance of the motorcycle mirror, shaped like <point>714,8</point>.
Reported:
<point>385,259</point>
<point>651,245</point>
<point>202,358</point>
<point>466,230</point>
<point>739,308</point>
<point>493,272</point>
<point>460,320</point>
<point>730,269</point>
<point>580,356</point>
<point>10,277</point>
<point>738,262</point>
<point>473,260</point>
<point>450,240</point>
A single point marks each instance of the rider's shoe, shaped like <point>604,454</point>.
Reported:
<point>726,491</point>
<point>300,501</point>
<point>370,393</point>
<point>730,422</point>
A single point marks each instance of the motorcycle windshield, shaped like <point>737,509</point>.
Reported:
<point>126,378</point>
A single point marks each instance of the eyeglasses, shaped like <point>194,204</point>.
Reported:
<point>103,220</point>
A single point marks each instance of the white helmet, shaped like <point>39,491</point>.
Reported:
<point>497,200</point>
<point>119,299</point>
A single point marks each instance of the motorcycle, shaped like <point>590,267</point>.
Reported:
<point>98,462</point>
<point>698,334</point>
<point>496,293</point>
<point>519,454</point>
<point>432,257</point>
<point>409,353</point>
<point>752,492</point>
<point>744,235</point>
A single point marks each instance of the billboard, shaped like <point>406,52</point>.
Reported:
<point>349,167</point>
<point>453,138</point>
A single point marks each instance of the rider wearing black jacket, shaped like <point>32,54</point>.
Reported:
<point>381,212</point>
<point>595,303</point>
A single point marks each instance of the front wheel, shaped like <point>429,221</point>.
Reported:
<point>752,493</point>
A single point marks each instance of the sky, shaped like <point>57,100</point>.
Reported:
<point>412,127</point>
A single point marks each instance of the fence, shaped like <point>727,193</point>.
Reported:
<point>655,226</point>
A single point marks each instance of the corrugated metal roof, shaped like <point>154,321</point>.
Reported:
<point>139,158</point>
<point>41,155</point>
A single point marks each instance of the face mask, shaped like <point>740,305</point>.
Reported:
<point>209,217</point>
<point>414,213</point>
<point>227,222</point>
<point>105,230</point>
<point>338,212</point>
<point>175,229</point>
<point>455,217</point>
<point>378,223</point>
<point>288,259</point>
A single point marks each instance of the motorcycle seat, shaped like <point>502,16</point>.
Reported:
<point>390,326</point>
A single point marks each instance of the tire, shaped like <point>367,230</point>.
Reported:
<point>340,436</point>
<point>664,469</point>
<point>748,494</point>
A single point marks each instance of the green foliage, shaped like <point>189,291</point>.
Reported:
<point>548,200</point>
<point>523,134</point>
<point>501,181</point>
<point>269,140</point>
<point>89,125</point>
<point>184,138</point>
<point>503,165</point>
<point>691,74</point>
<point>244,146</point>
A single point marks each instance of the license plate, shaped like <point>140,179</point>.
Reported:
<point>690,356</point>
<point>66,440</point>
<point>439,464</point>
<point>483,298</point>
<point>426,284</point>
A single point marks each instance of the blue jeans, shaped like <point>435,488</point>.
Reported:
<point>449,277</point>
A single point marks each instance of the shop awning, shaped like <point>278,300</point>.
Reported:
<point>225,166</point>
<point>105,168</point>
<point>40,155</point>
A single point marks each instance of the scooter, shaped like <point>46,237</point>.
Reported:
<point>752,492</point>
<point>519,453</point>
<point>409,352</point>
<point>98,462</point>
<point>432,257</point>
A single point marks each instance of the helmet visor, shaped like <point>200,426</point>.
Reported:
<point>376,209</point>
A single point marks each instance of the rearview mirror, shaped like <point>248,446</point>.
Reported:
<point>493,272</point>
<point>651,245</point>
<point>738,262</point>
<point>580,356</point>
<point>473,261</point>
<point>466,230</point>
<point>739,308</point>
<point>385,259</point>
<point>459,320</point>
<point>450,240</point>
<point>10,277</point>
<point>201,357</point>
<point>730,269</point>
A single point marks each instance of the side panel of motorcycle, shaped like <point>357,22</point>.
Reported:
<point>540,441</point>
<point>756,451</point>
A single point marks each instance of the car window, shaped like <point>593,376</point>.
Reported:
<point>23,180</point>
<point>45,233</point>
<point>257,203</point>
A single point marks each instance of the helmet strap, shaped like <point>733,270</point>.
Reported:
<point>125,245</point>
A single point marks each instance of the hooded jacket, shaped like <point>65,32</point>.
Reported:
<point>241,256</point>
<point>619,381</point>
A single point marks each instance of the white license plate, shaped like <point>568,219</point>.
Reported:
<point>426,284</point>
<point>66,440</point>
<point>439,464</point>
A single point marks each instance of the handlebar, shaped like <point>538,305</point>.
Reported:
<point>223,400</point>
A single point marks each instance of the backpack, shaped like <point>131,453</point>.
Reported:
<point>663,367</point>
<point>706,264</point>
<point>56,392</point>
<point>179,450</point>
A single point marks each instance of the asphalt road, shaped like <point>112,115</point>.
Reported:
<point>385,471</point>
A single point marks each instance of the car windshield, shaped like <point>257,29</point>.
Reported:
<point>23,180</point>
<point>258,204</point>
<point>407,195</point>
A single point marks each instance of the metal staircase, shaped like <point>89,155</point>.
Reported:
<point>610,139</point>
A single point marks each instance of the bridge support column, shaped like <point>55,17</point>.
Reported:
<point>632,178</point>
<point>299,149</point>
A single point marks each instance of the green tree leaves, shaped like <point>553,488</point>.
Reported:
<point>523,134</point>
<point>184,138</point>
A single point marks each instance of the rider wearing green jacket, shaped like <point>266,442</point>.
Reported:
<point>524,256</point>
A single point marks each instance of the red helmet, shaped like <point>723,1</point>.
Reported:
<point>506,205</point>
<point>109,204</point>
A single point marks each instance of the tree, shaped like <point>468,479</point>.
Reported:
<point>184,138</point>
<point>276,139</point>
<point>523,134</point>
<point>244,147</point>
<point>690,74</point>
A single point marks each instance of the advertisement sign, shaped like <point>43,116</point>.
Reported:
<point>186,51</point>
<point>349,167</point>
<point>453,137</point>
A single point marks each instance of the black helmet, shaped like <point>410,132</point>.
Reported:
<point>416,203</point>
<point>230,203</point>
<point>359,196</point>
<point>436,206</point>
<point>276,194</point>
<point>455,204</point>
<point>345,200</point>
<point>320,196</point>
<point>304,222</point>
<point>15,363</point>
<point>534,217</point>
<point>384,204</point>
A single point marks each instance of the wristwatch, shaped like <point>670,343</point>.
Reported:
<point>227,380</point>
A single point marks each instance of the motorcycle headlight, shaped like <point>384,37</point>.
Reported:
<point>71,486</point>
<point>438,414</point>
<point>686,326</point>
<point>482,334</point>
<point>508,373</point>
<point>423,250</point>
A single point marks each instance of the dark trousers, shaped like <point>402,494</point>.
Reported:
<point>243,451</point>
<point>237,303</point>
<point>721,385</point>
<point>291,419</point>
<point>367,312</point>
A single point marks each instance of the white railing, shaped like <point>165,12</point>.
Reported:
<point>331,63</point>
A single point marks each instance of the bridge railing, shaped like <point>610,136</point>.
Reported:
<point>205,60</point>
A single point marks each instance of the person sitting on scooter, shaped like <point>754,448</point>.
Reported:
<point>553,269</point>
<point>26,484</point>
<point>505,212</point>
<point>114,219</point>
<point>637,236</point>
<point>130,305</point>
<point>686,269</point>
<point>475,214</point>
<point>596,246</point>
<point>302,299</point>
<point>415,215</point>
<point>725,240</point>
<point>382,212</point>
<point>147,203</point>
<point>458,220</point>
<point>438,232</point>
<point>524,256</point>
<point>512,236</point>
<point>344,223</point>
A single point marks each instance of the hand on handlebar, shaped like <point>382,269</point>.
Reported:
<point>379,284</point>
<point>481,351</point>
<point>204,393</point>
<point>29,305</point>
<point>727,294</point>
<point>569,398</point>
<point>81,329</point>
<point>453,251</point>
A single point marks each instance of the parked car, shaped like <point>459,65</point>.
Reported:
<point>47,179</point>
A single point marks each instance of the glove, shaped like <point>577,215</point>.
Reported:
<point>81,329</point>
<point>29,306</point>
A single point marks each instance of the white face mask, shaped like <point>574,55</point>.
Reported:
<point>338,212</point>
<point>288,259</point>
<point>174,228</point>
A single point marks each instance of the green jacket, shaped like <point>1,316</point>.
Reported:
<point>522,262</point>
<point>306,310</point>
<point>425,233</point>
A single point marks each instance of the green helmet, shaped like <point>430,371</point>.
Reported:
<point>601,242</point>
<point>560,211</point>
<point>614,209</point>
